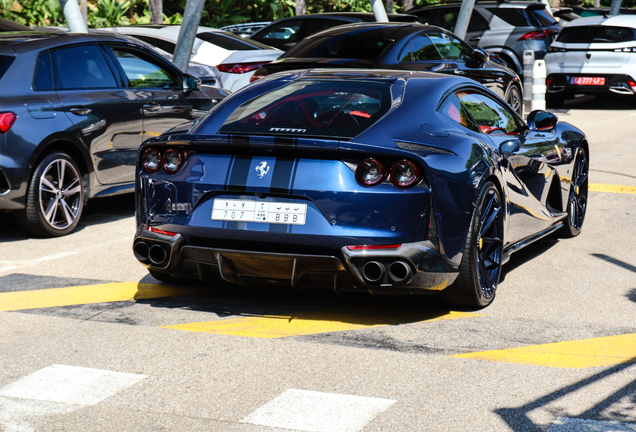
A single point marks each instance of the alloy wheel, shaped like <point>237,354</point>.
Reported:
<point>60,192</point>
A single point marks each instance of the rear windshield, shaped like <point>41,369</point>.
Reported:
<point>5,63</point>
<point>358,46</point>
<point>231,42</point>
<point>334,109</point>
<point>596,34</point>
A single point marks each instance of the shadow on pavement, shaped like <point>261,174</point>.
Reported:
<point>98,211</point>
<point>618,407</point>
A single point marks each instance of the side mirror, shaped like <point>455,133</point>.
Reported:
<point>190,83</point>
<point>510,146</point>
<point>481,55</point>
<point>542,121</point>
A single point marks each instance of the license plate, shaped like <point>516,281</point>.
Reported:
<point>587,80</point>
<point>259,211</point>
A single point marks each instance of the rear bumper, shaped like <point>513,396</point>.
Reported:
<point>614,84</point>
<point>411,268</point>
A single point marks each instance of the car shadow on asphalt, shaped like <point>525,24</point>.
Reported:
<point>228,300</point>
<point>580,102</point>
<point>527,254</point>
<point>96,212</point>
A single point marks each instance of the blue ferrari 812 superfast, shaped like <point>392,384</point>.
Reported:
<point>358,180</point>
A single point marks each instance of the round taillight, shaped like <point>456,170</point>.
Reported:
<point>152,160</point>
<point>172,161</point>
<point>404,173</point>
<point>370,172</point>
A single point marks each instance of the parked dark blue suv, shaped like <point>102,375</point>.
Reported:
<point>74,111</point>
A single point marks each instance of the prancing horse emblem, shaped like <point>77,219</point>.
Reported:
<point>262,169</point>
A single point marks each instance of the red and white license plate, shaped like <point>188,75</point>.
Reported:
<point>587,80</point>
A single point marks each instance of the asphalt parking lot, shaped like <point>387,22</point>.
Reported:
<point>91,342</point>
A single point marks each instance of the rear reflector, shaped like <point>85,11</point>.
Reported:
<point>7,119</point>
<point>371,247</point>
<point>240,68</point>
<point>158,231</point>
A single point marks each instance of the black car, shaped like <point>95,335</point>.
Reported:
<point>287,32</point>
<point>400,46</point>
<point>74,111</point>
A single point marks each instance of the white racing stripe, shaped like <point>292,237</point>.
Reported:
<point>564,424</point>
<point>57,389</point>
<point>303,410</point>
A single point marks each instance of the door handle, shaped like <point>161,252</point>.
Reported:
<point>152,106</point>
<point>459,72</point>
<point>81,111</point>
<point>475,39</point>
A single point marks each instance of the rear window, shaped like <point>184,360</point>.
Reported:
<point>541,18</point>
<point>231,42</point>
<point>513,16</point>
<point>358,46</point>
<point>334,109</point>
<point>5,63</point>
<point>596,34</point>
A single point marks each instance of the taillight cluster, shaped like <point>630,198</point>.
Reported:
<point>537,34</point>
<point>240,68</point>
<point>6,121</point>
<point>402,174</point>
<point>170,159</point>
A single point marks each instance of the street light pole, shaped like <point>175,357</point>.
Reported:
<point>189,26</point>
<point>73,16</point>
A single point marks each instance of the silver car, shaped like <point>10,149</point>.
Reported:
<point>502,28</point>
<point>595,55</point>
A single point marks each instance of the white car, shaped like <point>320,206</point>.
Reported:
<point>235,57</point>
<point>595,56</point>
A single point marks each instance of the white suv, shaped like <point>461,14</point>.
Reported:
<point>595,55</point>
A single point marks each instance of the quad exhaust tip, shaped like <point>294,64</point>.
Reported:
<point>157,254</point>
<point>398,272</point>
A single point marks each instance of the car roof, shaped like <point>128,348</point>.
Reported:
<point>502,4</point>
<point>342,15</point>
<point>12,26</point>
<point>25,42</point>
<point>394,27</point>
<point>616,20</point>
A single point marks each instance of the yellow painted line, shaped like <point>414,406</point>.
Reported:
<point>87,294</point>
<point>596,187</point>
<point>271,326</point>
<point>578,354</point>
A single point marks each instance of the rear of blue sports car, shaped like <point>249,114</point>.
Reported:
<point>283,184</point>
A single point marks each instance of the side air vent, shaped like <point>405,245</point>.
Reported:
<point>422,149</point>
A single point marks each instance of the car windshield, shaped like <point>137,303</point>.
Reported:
<point>596,34</point>
<point>358,46</point>
<point>329,108</point>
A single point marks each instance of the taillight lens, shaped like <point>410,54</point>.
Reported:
<point>240,68</point>
<point>256,76</point>
<point>537,34</point>
<point>7,119</point>
<point>370,172</point>
<point>152,160</point>
<point>172,161</point>
<point>404,173</point>
<point>632,84</point>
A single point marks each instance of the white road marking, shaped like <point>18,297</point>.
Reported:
<point>6,266</point>
<point>564,424</point>
<point>304,410</point>
<point>57,389</point>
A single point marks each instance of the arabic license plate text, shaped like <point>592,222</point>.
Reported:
<point>259,211</point>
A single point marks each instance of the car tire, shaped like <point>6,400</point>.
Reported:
<point>55,197</point>
<point>514,99</point>
<point>577,198</point>
<point>480,268</point>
